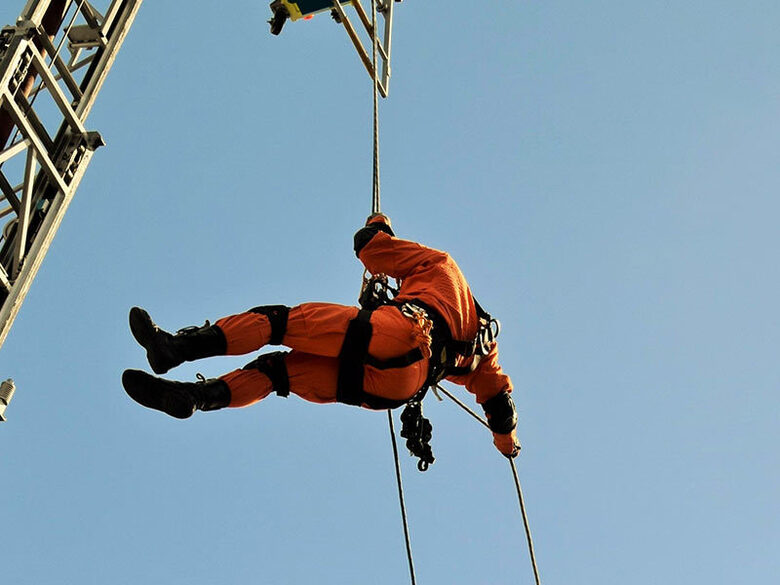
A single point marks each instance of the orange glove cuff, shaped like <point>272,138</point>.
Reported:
<point>507,444</point>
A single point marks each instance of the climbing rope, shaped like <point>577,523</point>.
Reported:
<point>526,524</point>
<point>376,202</point>
<point>401,496</point>
<point>376,207</point>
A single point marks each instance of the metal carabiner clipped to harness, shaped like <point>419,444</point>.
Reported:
<point>486,336</point>
<point>376,291</point>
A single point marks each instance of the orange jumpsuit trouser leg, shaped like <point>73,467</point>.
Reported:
<point>315,332</point>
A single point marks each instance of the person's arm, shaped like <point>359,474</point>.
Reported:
<point>493,389</point>
<point>382,253</point>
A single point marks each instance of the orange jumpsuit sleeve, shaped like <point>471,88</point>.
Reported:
<point>385,254</point>
<point>487,380</point>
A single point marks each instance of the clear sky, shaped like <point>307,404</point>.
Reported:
<point>607,176</point>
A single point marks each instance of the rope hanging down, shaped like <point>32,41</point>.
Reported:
<point>376,207</point>
<point>517,483</point>
<point>401,496</point>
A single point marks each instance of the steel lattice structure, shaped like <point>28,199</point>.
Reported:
<point>53,63</point>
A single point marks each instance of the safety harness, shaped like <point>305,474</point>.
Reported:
<point>445,353</point>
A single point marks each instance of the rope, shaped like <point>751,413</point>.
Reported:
<point>526,524</point>
<point>376,202</point>
<point>376,207</point>
<point>401,496</point>
<point>463,406</point>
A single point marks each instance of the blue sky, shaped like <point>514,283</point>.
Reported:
<point>606,174</point>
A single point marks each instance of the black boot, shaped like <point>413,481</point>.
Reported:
<point>178,399</point>
<point>165,351</point>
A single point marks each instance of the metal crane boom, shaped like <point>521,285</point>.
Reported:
<point>53,63</point>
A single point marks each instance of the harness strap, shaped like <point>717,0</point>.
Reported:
<point>445,351</point>
<point>481,313</point>
<point>277,315</point>
<point>273,366</point>
<point>462,370</point>
<point>354,356</point>
<point>402,361</point>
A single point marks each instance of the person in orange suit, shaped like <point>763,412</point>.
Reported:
<point>376,359</point>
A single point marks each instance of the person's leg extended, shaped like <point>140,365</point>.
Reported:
<point>318,329</point>
<point>312,377</point>
<point>315,328</point>
<point>316,332</point>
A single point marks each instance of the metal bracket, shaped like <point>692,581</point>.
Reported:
<point>384,42</point>
<point>283,10</point>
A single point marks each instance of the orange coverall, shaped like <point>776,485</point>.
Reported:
<point>315,333</point>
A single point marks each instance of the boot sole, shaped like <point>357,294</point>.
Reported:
<point>150,392</point>
<point>145,332</point>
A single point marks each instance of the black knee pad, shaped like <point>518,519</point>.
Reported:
<point>501,413</point>
<point>273,366</point>
<point>277,315</point>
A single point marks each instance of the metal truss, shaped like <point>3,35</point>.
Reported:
<point>384,42</point>
<point>53,63</point>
